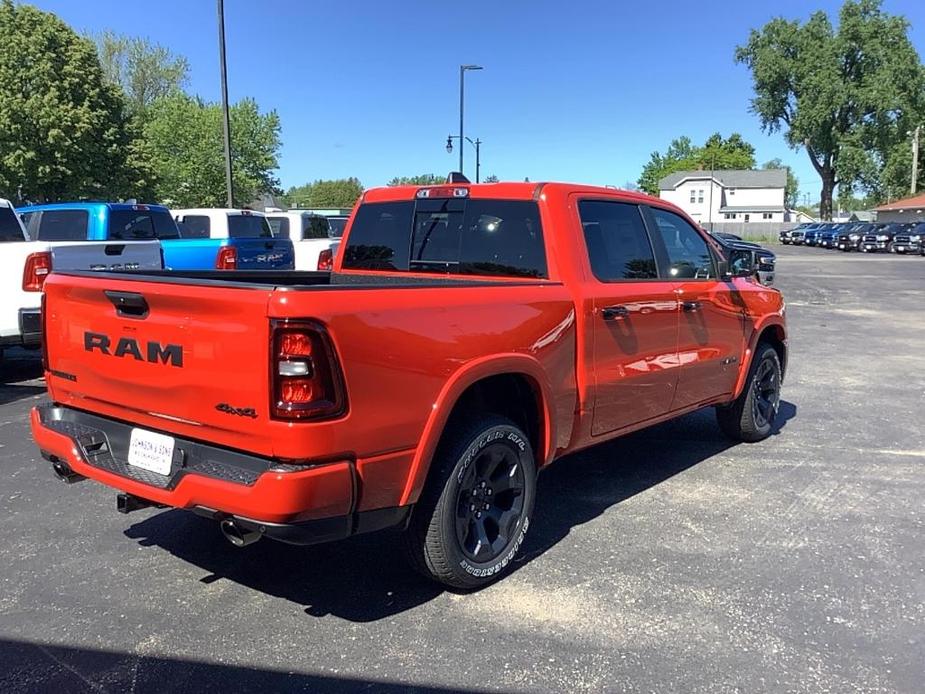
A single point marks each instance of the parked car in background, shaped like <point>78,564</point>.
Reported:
<point>783,236</point>
<point>101,221</point>
<point>232,239</point>
<point>811,234</point>
<point>879,239</point>
<point>796,237</point>
<point>849,238</point>
<point>910,239</point>
<point>310,235</point>
<point>468,336</point>
<point>25,263</point>
<point>828,237</point>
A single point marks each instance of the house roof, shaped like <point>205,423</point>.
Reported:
<point>916,202</point>
<point>733,178</point>
<point>752,208</point>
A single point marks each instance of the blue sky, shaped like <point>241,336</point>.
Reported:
<point>579,91</point>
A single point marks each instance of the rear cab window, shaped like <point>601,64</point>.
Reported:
<point>489,237</point>
<point>248,226</point>
<point>195,226</point>
<point>279,226</point>
<point>140,225</point>
<point>315,227</point>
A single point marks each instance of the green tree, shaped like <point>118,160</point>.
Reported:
<point>419,180</point>
<point>491,178</point>
<point>848,95</point>
<point>792,191</point>
<point>716,153</point>
<point>343,192</point>
<point>64,132</point>
<point>184,135</point>
<point>144,71</point>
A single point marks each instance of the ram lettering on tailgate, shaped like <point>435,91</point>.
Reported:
<point>155,352</point>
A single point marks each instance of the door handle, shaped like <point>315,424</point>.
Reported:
<point>128,304</point>
<point>615,312</point>
<point>691,306</point>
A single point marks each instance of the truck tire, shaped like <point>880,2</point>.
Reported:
<point>475,509</point>
<point>750,417</point>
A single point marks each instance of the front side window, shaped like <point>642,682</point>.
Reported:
<point>279,226</point>
<point>248,226</point>
<point>689,256</point>
<point>616,240</point>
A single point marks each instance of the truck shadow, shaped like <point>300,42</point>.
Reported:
<point>19,368</point>
<point>365,578</point>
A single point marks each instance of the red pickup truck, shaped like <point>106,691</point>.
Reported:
<point>468,336</point>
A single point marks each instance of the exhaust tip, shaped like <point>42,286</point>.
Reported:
<point>64,473</point>
<point>238,535</point>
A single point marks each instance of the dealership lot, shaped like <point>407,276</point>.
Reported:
<point>669,560</point>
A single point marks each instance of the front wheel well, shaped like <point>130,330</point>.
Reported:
<point>775,336</point>
<point>514,396</point>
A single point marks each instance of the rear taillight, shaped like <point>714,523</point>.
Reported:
<point>326,259</point>
<point>307,380</point>
<point>227,258</point>
<point>38,267</point>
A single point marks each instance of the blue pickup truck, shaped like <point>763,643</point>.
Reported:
<point>101,221</point>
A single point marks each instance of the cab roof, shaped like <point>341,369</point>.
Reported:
<point>526,190</point>
<point>91,206</point>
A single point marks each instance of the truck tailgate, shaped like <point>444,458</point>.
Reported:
<point>264,253</point>
<point>176,357</point>
<point>106,255</point>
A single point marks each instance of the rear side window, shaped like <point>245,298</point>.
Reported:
<point>688,254</point>
<point>617,242</point>
<point>248,226</point>
<point>315,228</point>
<point>164,225</point>
<point>195,226</point>
<point>9,225</point>
<point>474,237</point>
<point>279,226</point>
<point>62,225</point>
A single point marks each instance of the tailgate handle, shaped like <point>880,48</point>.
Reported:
<point>128,304</point>
<point>269,245</point>
<point>114,248</point>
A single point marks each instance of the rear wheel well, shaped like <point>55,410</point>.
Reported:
<point>514,396</point>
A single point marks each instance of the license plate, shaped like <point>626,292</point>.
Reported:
<point>151,451</point>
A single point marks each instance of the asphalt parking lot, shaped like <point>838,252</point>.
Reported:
<point>670,560</point>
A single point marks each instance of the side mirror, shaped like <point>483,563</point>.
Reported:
<point>741,263</point>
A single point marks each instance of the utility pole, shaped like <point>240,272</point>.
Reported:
<point>478,160</point>
<point>226,122</point>
<point>915,157</point>
<point>710,211</point>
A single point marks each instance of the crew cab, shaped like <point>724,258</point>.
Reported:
<point>231,239</point>
<point>25,264</point>
<point>310,235</point>
<point>103,221</point>
<point>467,337</point>
<point>910,239</point>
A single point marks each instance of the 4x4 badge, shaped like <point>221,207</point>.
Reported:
<point>239,411</point>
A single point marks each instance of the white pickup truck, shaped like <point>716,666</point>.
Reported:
<point>24,264</point>
<point>310,235</point>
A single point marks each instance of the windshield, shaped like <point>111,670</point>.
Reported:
<point>248,226</point>
<point>9,225</point>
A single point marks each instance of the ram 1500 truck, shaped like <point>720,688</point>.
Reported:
<point>25,264</point>
<point>244,238</point>
<point>102,221</point>
<point>468,336</point>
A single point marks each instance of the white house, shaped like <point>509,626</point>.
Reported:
<point>728,196</point>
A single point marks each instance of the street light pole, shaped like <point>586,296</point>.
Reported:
<point>478,148</point>
<point>462,94</point>
<point>478,162</point>
<point>915,158</point>
<point>226,122</point>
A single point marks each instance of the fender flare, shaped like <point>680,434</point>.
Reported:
<point>455,386</point>
<point>773,321</point>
